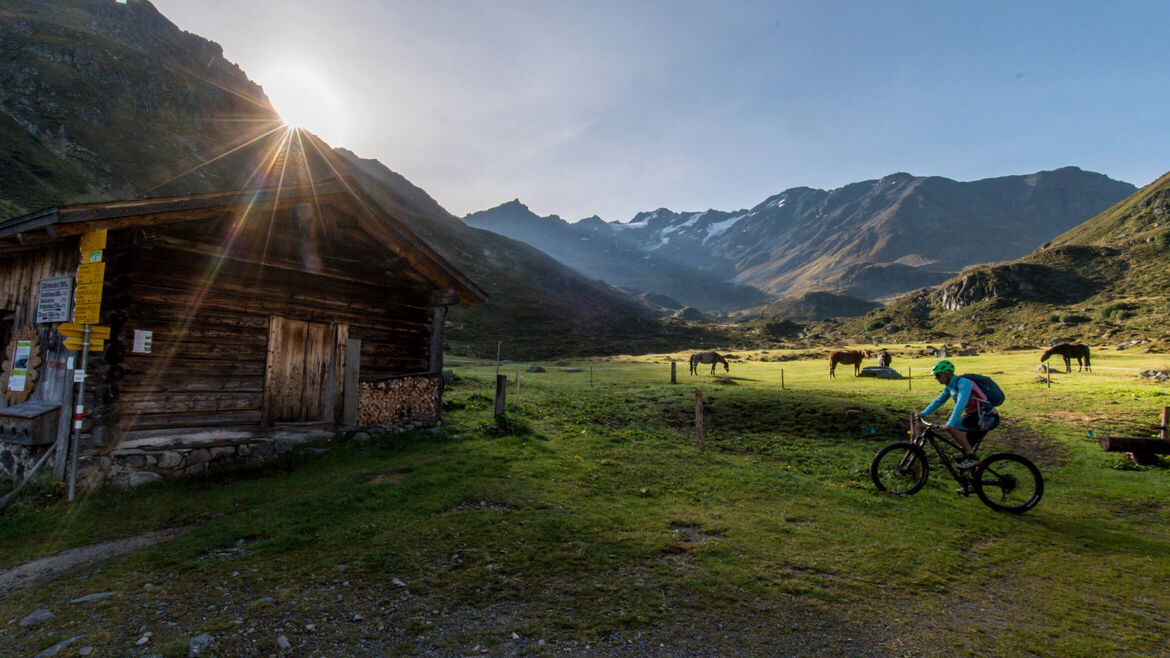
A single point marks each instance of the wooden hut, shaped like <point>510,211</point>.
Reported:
<point>238,322</point>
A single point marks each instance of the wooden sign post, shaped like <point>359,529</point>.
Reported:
<point>672,373</point>
<point>501,393</point>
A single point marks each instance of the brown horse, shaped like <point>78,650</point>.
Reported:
<point>850,357</point>
<point>705,358</point>
<point>1070,351</point>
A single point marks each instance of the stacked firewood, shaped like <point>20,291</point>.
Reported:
<point>397,400</point>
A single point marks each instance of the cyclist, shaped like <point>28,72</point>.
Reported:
<point>972,415</point>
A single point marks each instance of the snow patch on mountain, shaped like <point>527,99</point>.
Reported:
<point>719,228</point>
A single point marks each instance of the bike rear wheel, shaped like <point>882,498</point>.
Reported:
<point>1008,482</point>
<point>899,468</point>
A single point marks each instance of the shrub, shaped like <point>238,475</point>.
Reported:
<point>1074,318</point>
<point>877,322</point>
<point>1118,311</point>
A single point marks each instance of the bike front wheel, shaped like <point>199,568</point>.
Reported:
<point>1008,482</point>
<point>899,468</point>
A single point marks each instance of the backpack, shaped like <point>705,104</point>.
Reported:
<point>986,384</point>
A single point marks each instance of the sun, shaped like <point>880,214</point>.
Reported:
<point>304,98</point>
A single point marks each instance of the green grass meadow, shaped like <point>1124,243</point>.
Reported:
<point>589,513</point>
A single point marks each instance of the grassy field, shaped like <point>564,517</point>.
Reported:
<point>588,522</point>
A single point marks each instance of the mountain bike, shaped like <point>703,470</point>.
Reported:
<point>1004,481</point>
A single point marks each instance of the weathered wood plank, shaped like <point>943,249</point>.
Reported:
<point>194,384</point>
<point>436,346</point>
<point>272,370</point>
<point>353,360</point>
<point>318,347</point>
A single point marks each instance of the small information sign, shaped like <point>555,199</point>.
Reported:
<point>142,341</point>
<point>19,373</point>
<point>93,241</point>
<point>53,301</point>
<point>91,257</point>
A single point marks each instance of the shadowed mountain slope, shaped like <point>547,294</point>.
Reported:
<point>101,100</point>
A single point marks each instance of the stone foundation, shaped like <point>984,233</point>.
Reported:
<point>17,459</point>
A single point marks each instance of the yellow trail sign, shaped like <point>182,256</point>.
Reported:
<point>93,241</point>
<point>87,313</point>
<point>88,293</point>
<point>94,343</point>
<point>69,329</point>
<point>91,273</point>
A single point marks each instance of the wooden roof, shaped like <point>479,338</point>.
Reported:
<point>53,223</point>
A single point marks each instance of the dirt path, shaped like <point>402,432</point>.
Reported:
<point>48,568</point>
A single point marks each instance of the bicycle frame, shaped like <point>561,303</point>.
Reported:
<point>928,432</point>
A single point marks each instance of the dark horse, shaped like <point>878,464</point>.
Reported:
<point>708,357</point>
<point>850,357</point>
<point>1070,351</point>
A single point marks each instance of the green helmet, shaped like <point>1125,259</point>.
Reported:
<point>942,366</point>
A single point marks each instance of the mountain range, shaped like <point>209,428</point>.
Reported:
<point>1103,282</point>
<point>870,239</point>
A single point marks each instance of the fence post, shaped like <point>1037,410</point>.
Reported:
<point>909,378</point>
<point>1047,375</point>
<point>672,373</point>
<point>517,386</point>
<point>782,379</point>
<point>591,375</point>
<point>501,392</point>
<point>1165,422</point>
<point>699,416</point>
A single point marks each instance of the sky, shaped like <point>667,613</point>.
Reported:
<point>600,107</point>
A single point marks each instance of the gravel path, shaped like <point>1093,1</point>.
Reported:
<point>48,568</point>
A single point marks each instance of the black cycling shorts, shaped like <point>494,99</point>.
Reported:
<point>970,425</point>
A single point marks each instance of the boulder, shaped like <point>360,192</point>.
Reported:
<point>140,478</point>
<point>534,368</point>
<point>880,372</point>
<point>37,617</point>
<point>169,459</point>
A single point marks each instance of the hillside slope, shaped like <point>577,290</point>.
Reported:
<point>101,100</point>
<point>1105,282</point>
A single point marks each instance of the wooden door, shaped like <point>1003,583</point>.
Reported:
<point>302,378</point>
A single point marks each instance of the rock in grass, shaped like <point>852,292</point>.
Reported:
<point>93,597</point>
<point>283,643</point>
<point>56,648</point>
<point>37,617</point>
<point>199,644</point>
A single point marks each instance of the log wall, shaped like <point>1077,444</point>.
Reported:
<point>20,276</point>
<point>210,318</point>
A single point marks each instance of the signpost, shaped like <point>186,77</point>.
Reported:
<point>81,334</point>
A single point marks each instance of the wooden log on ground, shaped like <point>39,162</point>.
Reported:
<point>1135,444</point>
